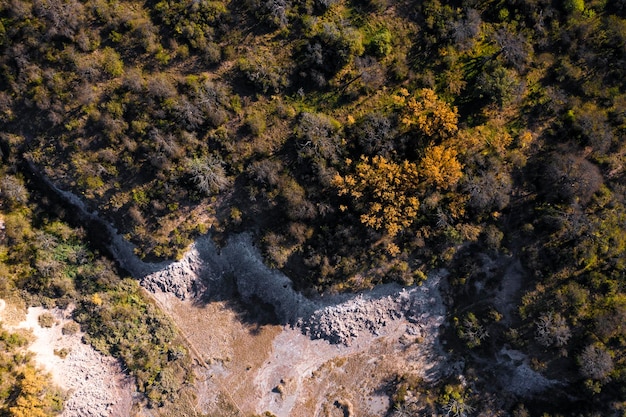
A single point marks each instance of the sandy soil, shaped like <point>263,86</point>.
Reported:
<point>95,384</point>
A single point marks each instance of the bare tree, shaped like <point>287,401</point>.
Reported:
<point>514,48</point>
<point>13,191</point>
<point>208,174</point>
<point>465,31</point>
<point>458,407</point>
<point>595,362</point>
<point>552,330</point>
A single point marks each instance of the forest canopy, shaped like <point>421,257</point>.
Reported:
<point>363,141</point>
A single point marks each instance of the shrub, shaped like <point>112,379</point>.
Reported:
<point>328,51</point>
<point>62,353</point>
<point>208,174</point>
<point>70,328</point>
<point>263,72</point>
<point>255,123</point>
<point>380,44</point>
<point>46,320</point>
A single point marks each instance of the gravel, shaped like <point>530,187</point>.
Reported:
<point>95,384</point>
<point>338,319</point>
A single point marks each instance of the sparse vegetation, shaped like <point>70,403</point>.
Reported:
<point>26,390</point>
<point>46,320</point>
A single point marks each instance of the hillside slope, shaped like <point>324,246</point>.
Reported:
<point>361,142</point>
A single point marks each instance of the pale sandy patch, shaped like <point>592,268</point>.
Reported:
<point>95,384</point>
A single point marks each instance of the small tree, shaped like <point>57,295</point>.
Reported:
<point>440,167</point>
<point>13,190</point>
<point>208,174</point>
<point>552,330</point>
<point>595,362</point>
<point>577,6</point>
<point>317,137</point>
<point>385,191</point>
<point>472,331</point>
<point>428,114</point>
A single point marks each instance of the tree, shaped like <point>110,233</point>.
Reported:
<point>428,114</point>
<point>440,167</point>
<point>595,362</point>
<point>317,137</point>
<point>514,48</point>
<point>465,31</point>
<point>385,191</point>
<point>568,178</point>
<point>552,330</point>
<point>375,134</point>
<point>31,400</point>
<point>577,6</point>
<point>499,85</point>
<point>12,189</point>
<point>272,12</point>
<point>208,174</point>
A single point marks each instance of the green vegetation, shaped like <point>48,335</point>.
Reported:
<point>24,389</point>
<point>46,262</point>
<point>364,141</point>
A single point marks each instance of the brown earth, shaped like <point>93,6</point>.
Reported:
<point>338,359</point>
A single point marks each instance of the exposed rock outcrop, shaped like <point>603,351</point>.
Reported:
<point>337,319</point>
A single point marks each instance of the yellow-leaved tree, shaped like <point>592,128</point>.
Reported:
<point>386,192</point>
<point>440,167</point>
<point>428,114</point>
<point>32,400</point>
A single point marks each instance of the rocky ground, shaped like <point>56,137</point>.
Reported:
<point>262,347</point>
<point>94,383</point>
<point>267,348</point>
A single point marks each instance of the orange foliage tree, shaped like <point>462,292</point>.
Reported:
<point>32,400</point>
<point>428,114</point>
<point>385,191</point>
<point>440,167</point>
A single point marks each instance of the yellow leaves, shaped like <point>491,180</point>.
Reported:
<point>96,299</point>
<point>30,402</point>
<point>525,139</point>
<point>429,114</point>
<point>393,249</point>
<point>386,191</point>
<point>440,167</point>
